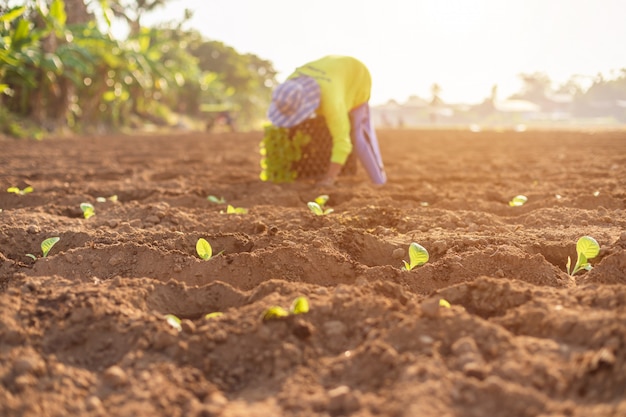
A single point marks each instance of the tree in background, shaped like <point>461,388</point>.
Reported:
<point>604,98</point>
<point>132,11</point>
<point>248,80</point>
<point>60,69</point>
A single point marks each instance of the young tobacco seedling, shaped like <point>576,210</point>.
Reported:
<point>586,248</point>
<point>87,209</point>
<point>299,306</point>
<point>46,245</point>
<point>204,249</point>
<point>518,201</point>
<point>418,255</point>
<point>113,198</point>
<point>321,199</point>
<point>444,303</point>
<point>213,315</point>
<point>317,209</point>
<point>236,210</point>
<point>173,321</point>
<point>23,191</point>
<point>274,312</point>
<point>214,199</point>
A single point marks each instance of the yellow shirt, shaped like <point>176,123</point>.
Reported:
<point>345,83</point>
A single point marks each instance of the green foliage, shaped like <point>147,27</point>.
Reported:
<point>88,210</point>
<point>84,77</point>
<point>18,191</point>
<point>204,249</point>
<point>46,245</point>
<point>586,248</point>
<point>418,255</point>
<point>243,82</point>
<point>213,315</point>
<point>444,303</point>
<point>278,153</point>
<point>518,200</point>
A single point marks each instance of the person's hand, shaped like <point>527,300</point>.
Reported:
<point>331,175</point>
<point>326,182</point>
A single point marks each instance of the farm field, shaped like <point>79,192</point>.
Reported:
<point>83,330</point>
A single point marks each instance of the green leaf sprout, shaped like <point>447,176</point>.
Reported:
<point>204,249</point>
<point>518,200</point>
<point>113,198</point>
<point>88,210</point>
<point>213,315</point>
<point>300,306</point>
<point>317,209</point>
<point>23,191</point>
<point>236,210</point>
<point>321,199</point>
<point>275,312</point>
<point>586,248</point>
<point>444,303</point>
<point>173,321</point>
<point>214,199</point>
<point>418,255</point>
<point>46,245</point>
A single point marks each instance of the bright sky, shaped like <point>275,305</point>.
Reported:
<point>466,46</point>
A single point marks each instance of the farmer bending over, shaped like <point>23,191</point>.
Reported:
<point>337,88</point>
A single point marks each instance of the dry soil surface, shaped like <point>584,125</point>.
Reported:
<point>83,331</point>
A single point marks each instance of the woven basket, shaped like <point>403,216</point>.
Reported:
<point>300,152</point>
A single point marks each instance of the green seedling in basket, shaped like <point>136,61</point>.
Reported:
<point>46,245</point>
<point>88,210</point>
<point>23,191</point>
<point>278,153</point>
<point>418,255</point>
<point>586,248</point>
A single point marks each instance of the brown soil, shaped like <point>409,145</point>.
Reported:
<point>83,330</point>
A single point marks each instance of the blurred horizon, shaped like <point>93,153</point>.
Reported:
<point>464,46</point>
